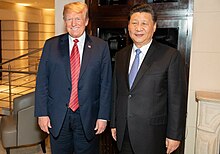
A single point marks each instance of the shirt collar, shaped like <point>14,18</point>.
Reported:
<point>143,49</point>
<point>81,38</point>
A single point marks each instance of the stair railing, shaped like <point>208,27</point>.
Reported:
<point>8,82</point>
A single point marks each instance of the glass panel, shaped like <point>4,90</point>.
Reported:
<point>116,38</point>
<point>168,36</point>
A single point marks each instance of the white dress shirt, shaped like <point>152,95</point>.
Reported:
<point>80,44</point>
<point>143,53</point>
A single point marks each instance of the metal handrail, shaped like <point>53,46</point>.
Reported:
<point>10,72</point>
<point>19,57</point>
<point>22,72</point>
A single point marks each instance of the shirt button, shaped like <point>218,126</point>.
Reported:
<point>129,96</point>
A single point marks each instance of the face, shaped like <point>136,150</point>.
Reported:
<point>75,23</point>
<point>141,28</point>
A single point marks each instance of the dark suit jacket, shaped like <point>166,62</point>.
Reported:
<point>53,85</point>
<point>155,107</point>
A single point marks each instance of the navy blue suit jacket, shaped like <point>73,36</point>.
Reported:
<point>53,85</point>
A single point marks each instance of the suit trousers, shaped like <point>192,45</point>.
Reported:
<point>72,137</point>
<point>126,144</point>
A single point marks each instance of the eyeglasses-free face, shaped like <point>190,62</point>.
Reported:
<point>75,23</point>
<point>141,28</point>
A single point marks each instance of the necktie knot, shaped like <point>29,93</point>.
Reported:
<point>76,41</point>
<point>138,51</point>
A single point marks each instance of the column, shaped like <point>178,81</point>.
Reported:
<point>14,42</point>
<point>208,123</point>
<point>37,34</point>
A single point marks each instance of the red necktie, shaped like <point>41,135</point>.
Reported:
<point>75,68</point>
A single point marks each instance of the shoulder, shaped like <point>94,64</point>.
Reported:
<point>95,39</point>
<point>161,48</point>
<point>57,38</point>
<point>166,52</point>
<point>97,44</point>
<point>124,51</point>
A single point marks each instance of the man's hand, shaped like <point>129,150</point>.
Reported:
<point>171,145</point>
<point>44,123</point>
<point>100,126</point>
<point>113,130</point>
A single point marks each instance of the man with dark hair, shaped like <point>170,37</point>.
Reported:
<point>149,90</point>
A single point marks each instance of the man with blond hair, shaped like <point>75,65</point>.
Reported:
<point>73,87</point>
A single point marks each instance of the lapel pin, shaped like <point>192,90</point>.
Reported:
<point>89,46</point>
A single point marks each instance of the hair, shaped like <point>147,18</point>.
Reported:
<point>78,7</point>
<point>143,7</point>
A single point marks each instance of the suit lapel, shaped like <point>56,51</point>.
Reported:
<point>64,48</point>
<point>127,61</point>
<point>86,55</point>
<point>145,64</point>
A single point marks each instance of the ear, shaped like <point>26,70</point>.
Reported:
<point>87,21</point>
<point>65,24</point>
<point>155,26</point>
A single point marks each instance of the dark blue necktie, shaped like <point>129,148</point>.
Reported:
<point>134,67</point>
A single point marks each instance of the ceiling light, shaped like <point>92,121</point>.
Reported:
<point>49,9</point>
<point>24,4</point>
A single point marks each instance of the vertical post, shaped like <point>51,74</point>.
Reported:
<point>9,88</point>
